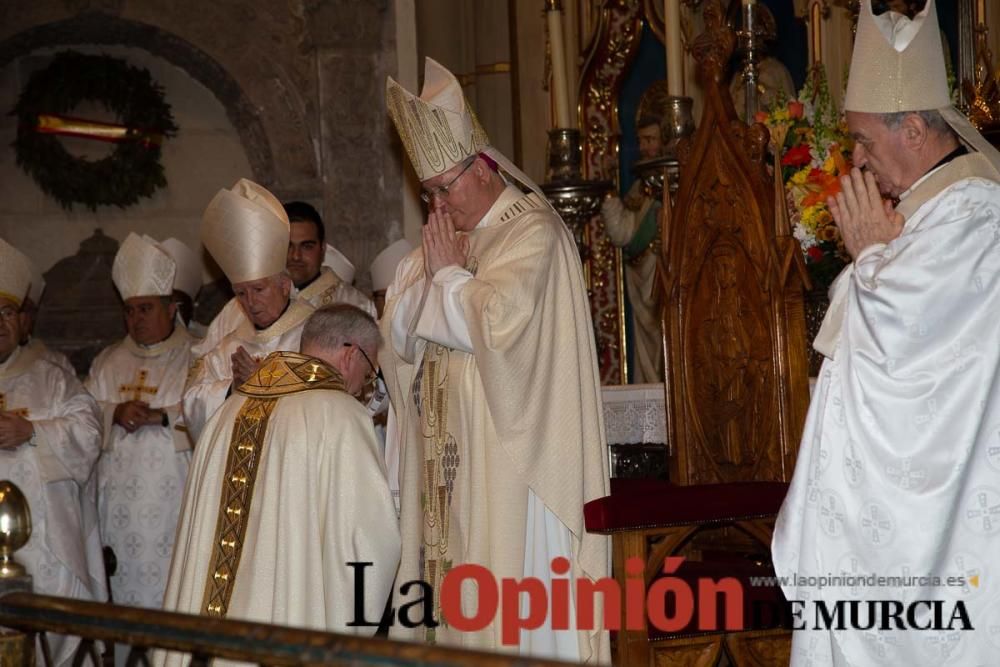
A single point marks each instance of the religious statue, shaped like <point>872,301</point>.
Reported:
<point>633,224</point>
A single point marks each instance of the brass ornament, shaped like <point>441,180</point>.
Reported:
<point>15,528</point>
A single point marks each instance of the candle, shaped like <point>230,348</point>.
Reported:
<point>980,12</point>
<point>675,48</point>
<point>560,89</point>
<point>816,31</point>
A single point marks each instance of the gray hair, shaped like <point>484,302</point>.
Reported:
<point>933,118</point>
<point>332,327</point>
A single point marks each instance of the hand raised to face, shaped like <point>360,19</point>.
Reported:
<point>443,245</point>
<point>863,217</point>
<point>244,365</point>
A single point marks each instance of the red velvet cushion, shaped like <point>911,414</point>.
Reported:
<point>648,503</point>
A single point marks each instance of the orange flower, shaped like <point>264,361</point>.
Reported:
<point>795,109</point>
<point>820,185</point>
<point>838,159</point>
<point>760,117</point>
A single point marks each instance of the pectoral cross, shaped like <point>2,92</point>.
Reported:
<point>139,388</point>
<point>20,412</point>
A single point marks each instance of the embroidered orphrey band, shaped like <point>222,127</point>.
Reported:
<point>242,462</point>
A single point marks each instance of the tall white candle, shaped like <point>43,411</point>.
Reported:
<point>816,31</point>
<point>560,85</point>
<point>675,47</point>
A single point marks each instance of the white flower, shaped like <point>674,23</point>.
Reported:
<point>805,237</point>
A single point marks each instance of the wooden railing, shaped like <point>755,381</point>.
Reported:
<point>144,630</point>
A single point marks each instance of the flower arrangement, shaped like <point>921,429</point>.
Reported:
<point>814,147</point>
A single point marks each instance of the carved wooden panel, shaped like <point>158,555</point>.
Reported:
<point>694,652</point>
<point>737,387</point>
<point>760,649</point>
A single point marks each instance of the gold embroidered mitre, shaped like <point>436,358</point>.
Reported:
<point>439,128</point>
<point>898,63</point>
<point>246,230</point>
<point>188,278</point>
<point>15,274</point>
<point>143,268</point>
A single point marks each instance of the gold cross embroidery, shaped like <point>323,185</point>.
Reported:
<point>20,412</point>
<point>139,388</point>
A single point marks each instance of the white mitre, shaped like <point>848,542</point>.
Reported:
<point>439,129</point>
<point>246,230</point>
<point>335,260</point>
<point>15,274</point>
<point>143,268</point>
<point>188,278</point>
<point>384,265</point>
<point>898,65</point>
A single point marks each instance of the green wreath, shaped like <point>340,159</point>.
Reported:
<point>132,170</point>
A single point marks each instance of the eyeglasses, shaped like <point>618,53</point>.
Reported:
<point>373,374</point>
<point>8,314</point>
<point>442,190</point>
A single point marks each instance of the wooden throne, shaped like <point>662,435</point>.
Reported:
<point>736,387</point>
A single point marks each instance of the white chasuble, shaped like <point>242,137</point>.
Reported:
<point>211,375</point>
<point>287,486</point>
<point>63,555</point>
<point>141,475</point>
<point>494,383</point>
<point>898,473</point>
<point>35,346</point>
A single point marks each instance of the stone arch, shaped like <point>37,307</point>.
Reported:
<point>106,29</point>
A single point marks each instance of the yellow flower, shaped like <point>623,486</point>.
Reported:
<point>827,233</point>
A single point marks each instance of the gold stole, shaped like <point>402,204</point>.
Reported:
<point>280,374</point>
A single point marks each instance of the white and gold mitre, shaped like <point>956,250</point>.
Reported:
<point>15,274</point>
<point>898,63</point>
<point>439,128</point>
<point>384,265</point>
<point>188,278</point>
<point>339,264</point>
<point>246,230</point>
<point>143,268</point>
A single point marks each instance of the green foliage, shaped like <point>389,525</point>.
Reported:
<point>133,169</point>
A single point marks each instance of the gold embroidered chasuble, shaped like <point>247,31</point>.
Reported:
<point>287,486</point>
<point>520,413</point>
<point>282,374</point>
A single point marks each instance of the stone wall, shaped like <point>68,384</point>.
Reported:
<point>287,93</point>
